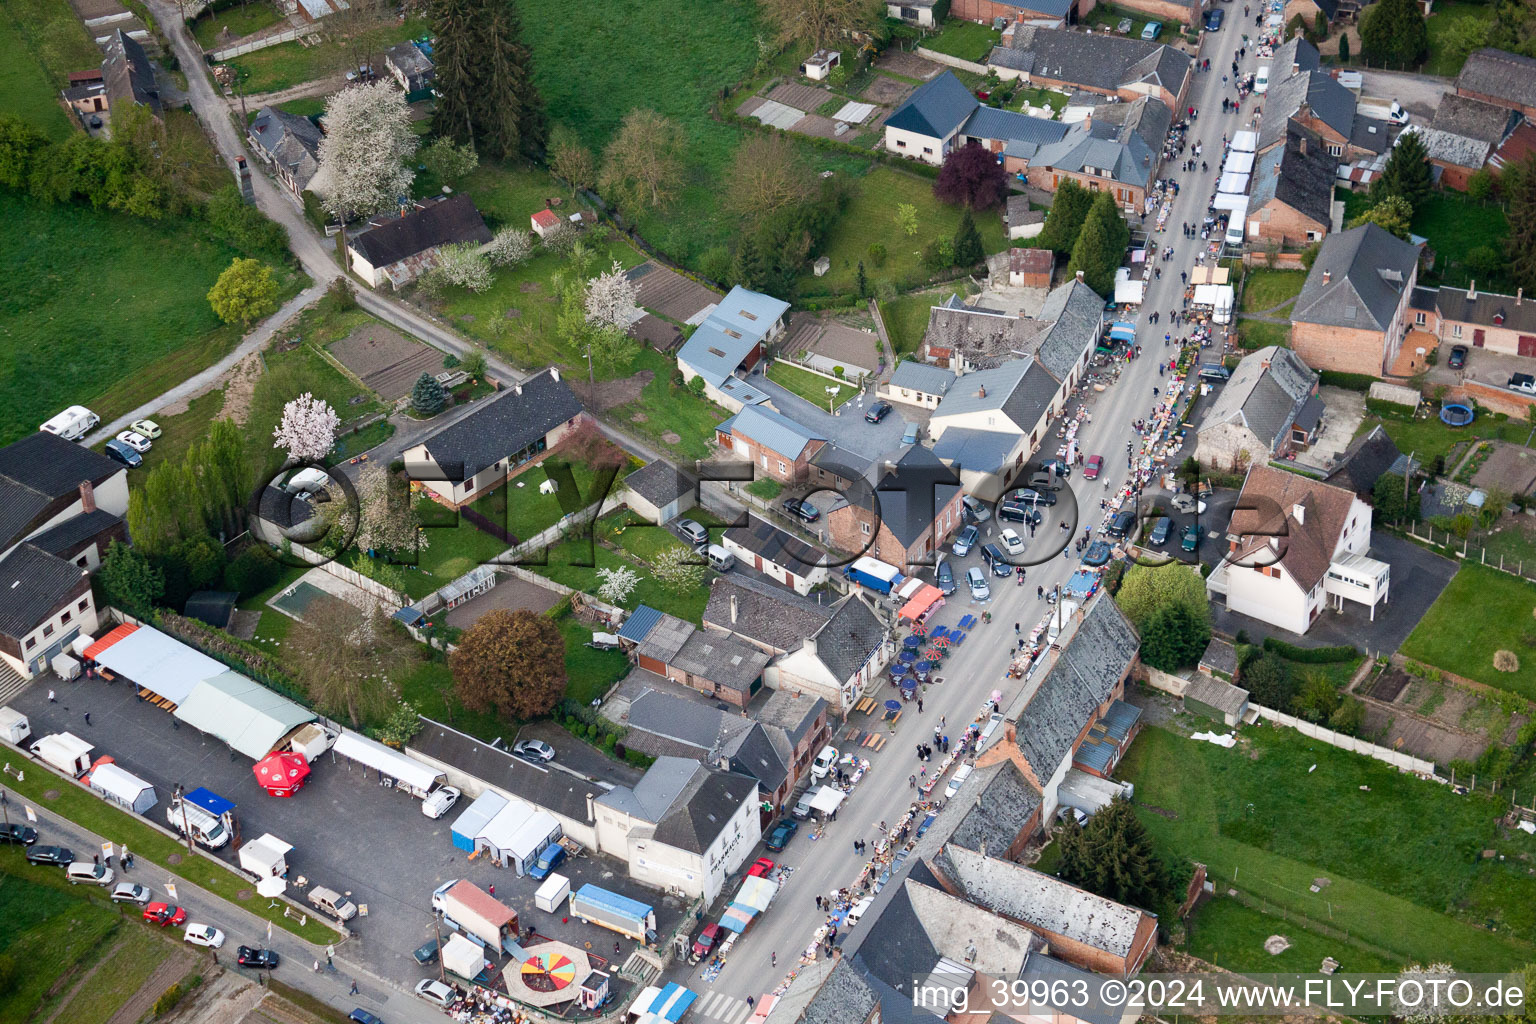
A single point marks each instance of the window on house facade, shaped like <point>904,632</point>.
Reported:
<point>81,561</point>
<point>1335,150</point>
<point>469,485</point>
<point>928,150</point>
<point>31,642</point>
<point>64,619</point>
<point>900,144</point>
<point>1418,319</point>
<point>48,630</point>
<point>83,602</point>
<point>1455,330</point>
<point>1313,236</point>
<point>781,467</point>
<point>864,529</point>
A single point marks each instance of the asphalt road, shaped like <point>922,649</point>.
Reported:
<point>980,665</point>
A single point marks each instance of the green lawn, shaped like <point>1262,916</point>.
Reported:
<point>964,39</point>
<point>1429,438</point>
<point>137,324</point>
<point>126,966</point>
<point>670,417</point>
<point>1252,334</point>
<point>1481,611</point>
<point>1265,289</point>
<point>563,565</point>
<point>207,28</point>
<point>810,386</point>
<point>90,812</point>
<point>288,64</point>
<point>871,217</point>
<point>906,318</point>
<point>1455,225</point>
<point>25,87</point>
<point>589,673</point>
<point>1229,934</point>
<point>1400,855</point>
<point>53,931</point>
<point>307,106</point>
<point>1038,96</point>
<point>54,36</point>
<point>1448,13</point>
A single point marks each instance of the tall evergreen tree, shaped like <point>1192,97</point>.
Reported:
<point>863,281</point>
<point>968,250</point>
<point>748,270</point>
<point>1113,856</point>
<point>1100,245</point>
<point>1394,33</point>
<point>1068,211</point>
<point>485,79</point>
<point>1519,184</point>
<point>1407,172</point>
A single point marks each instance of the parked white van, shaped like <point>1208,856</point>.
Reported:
<point>208,830</point>
<point>72,424</point>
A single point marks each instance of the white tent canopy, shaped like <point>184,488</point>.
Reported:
<point>827,799</point>
<point>462,957</point>
<point>1127,290</point>
<point>1238,163</point>
<point>66,746</point>
<point>242,713</point>
<point>410,773</point>
<point>538,831</point>
<point>502,830</point>
<point>123,787</point>
<point>1213,295</point>
<point>1229,201</point>
<point>159,663</point>
<point>1245,141</point>
<point>1233,181</point>
<point>756,892</point>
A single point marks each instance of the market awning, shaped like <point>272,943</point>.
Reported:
<point>756,892</point>
<point>1128,290</point>
<point>240,711</point>
<point>921,601</point>
<point>1122,330</point>
<point>463,957</point>
<point>735,918</point>
<point>1233,181</point>
<point>157,662</point>
<point>1229,201</point>
<point>827,799</point>
<point>386,761</point>
<point>1241,163</point>
<point>669,1003</point>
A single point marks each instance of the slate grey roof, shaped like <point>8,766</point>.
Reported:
<point>1295,53</point>
<point>980,450</point>
<point>753,753</point>
<point>703,809</point>
<point>64,537</point>
<point>503,425</point>
<point>665,638</point>
<point>1012,126</point>
<point>1076,315</point>
<point>1010,390</point>
<point>850,637</point>
<point>936,109</point>
<point>1040,901</point>
<point>1367,269</point>
<point>1123,141</point>
<point>911,493</point>
<point>288,140</point>
<point>774,545</point>
<point>1266,394</point>
<point>1487,309</point>
<point>129,76</point>
<point>844,996</point>
<point>1217,693</point>
<point>840,461</point>
<point>39,469</point>
<point>33,586</point>
<point>1447,148</point>
<point>1080,681</point>
<point>791,712</point>
<point>556,791</point>
<point>1462,115</point>
<point>285,510</point>
<point>768,614</point>
<point>1048,980</point>
<point>772,430</point>
<point>1371,134</point>
<point>1328,101</point>
<point>1220,655</point>
<point>660,482</point>
<point>924,377</point>
<point>727,336</point>
<point>1506,76</point>
<point>1099,61</point>
<point>450,220</point>
<point>1000,803</point>
<point>721,659</point>
<point>1300,177</point>
<point>923,925</point>
<point>983,338</point>
<point>1368,457</point>
<point>410,61</point>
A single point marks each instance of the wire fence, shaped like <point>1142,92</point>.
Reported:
<point>1463,548</point>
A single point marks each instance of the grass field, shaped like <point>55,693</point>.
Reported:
<point>1448,13</point>
<point>25,88</point>
<point>1455,225</point>
<point>1401,857</point>
<point>207,28</point>
<point>563,565</point>
<point>136,325</point>
<point>55,37</point>
<point>1479,612</point>
<point>51,933</point>
<point>810,386</point>
<point>1429,438</point>
<point>289,64</point>
<point>871,217</point>
<point>1229,934</point>
<point>1252,334</point>
<point>124,967</point>
<point>964,39</point>
<point>1265,289</point>
<point>906,318</point>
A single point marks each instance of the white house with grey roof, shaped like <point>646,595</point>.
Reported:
<point>841,660</point>
<point>942,115</point>
<point>782,557</point>
<point>682,827</point>
<point>729,345</point>
<point>919,384</point>
<point>660,492</point>
<point>1117,149</point>
<point>1268,407</point>
<point>991,422</point>
<point>502,436</point>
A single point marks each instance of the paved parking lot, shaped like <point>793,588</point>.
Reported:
<point>847,426</point>
<point>348,832</point>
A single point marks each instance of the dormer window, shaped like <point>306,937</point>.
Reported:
<point>1498,318</point>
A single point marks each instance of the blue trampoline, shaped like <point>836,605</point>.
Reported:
<point>1454,414</point>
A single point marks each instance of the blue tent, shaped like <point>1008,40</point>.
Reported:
<point>668,1004</point>
<point>1121,330</point>
<point>209,801</point>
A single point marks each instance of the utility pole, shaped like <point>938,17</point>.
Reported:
<point>186,829</point>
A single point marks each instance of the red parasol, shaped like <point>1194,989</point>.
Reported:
<point>282,774</point>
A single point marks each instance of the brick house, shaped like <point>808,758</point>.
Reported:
<point>503,436</point>
<point>913,12</point>
<point>776,445</point>
<point>1302,95</point>
<point>1353,311</point>
<point>1117,148</point>
<point>1100,63</point>
<point>986,11</point>
<point>1499,323</point>
<point>714,664</point>
<point>1002,812</point>
<point>912,511</point>
<point>288,144</point>
<point>1290,201</point>
<point>1499,77</point>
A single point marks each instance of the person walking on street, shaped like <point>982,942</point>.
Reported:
<point>87,718</point>
<point>330,951</point>
<point>353,991</point>
<point>317,966</point>
<point>919,705</point>
<point>51,698</point>
<point>773,959</point>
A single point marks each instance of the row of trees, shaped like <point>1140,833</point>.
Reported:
<point>1089,228</point>
<point>1168,607</point>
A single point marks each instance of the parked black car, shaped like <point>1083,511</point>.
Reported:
<point>782,833</point>
<point>250,956</point>
<point>21,835</point>
<point>803,509</point>
<point>426,954</point>
<point>1458,357</point>
<point>945,577</point>
<point>56,855</point>
<point>877,412</point>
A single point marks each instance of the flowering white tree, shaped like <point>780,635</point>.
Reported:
<point>610,298</point>
<point>560,239</point>
<point>510,247</point>
<point>307,431</point>
<point>464,265</point>
<point>363,153</point>
<point>387,519</point>
<point>1419,994</point>
<point>617,584</point>
<point>679,569</point>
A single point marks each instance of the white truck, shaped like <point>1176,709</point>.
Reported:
<point>72,424</point>
<point>476,913</point>
<point>629,917</point>
<point>66,752</point>
<point>189,819</point>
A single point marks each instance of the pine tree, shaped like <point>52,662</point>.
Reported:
<point>1113,856</point>
<point>428,396</point>
<point>1407,172</point>
<point>863,281</point>
<point>485,79</point>
<point>1519,184</point>
<point>1344,48</point>
<point>1068,211</point>
<point>968,250</point>
<point>1173,638</point>
<point>748,270</point>
<point>1394,33</point>
<point>1100,244</point>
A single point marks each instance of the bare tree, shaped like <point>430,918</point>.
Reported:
<point>354,25</point>
<point>344,657</point>
<point>822,23</point>
<point>571,160</point>
<point>767,176</point>
<point>643,165</point>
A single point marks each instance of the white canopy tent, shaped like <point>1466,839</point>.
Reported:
<point>243,713</point>
<point>1128,290</point>
<point>123,788</point>
<point>1238,163</point>
<point>409,774</point>
<point>159,663</point>
<point>1245,141</point>
<point>827,799</point>
<point>1233,181</point>
<point>1229,201</point>
<point>532,836</point>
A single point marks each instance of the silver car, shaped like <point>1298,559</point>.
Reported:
<point>977,581</point>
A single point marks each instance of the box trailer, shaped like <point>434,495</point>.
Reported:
<point>478,912</point>
<point>14,725</point>
<point>555,890</point>
<point>66,752</point>
<point>874,574</point>
<point>122,788</point>
<point>618,913</point>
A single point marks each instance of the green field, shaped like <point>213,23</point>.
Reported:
<point>563,565</point>
<point>1455,225</point>
<point>25,89</point>
<point>1401,856</point>
<point>1481,611</point>
<point>1430,438</point>
<point>133,326</point>
<point>810,386</point>
<point>1265,289</point>
<point>123,969</point>
<point>967,40</point>
<point>52,932</point>
<point>870,217</point>
<point>207,28</point>
<point>1229,934</point>
<point>1446,14</point>
<point>55,37</point>
<point>288,64</point>
<point>906,318</point>
<point>1252,334</point>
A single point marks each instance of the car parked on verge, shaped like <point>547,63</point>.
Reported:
<point>149,428</point>
<point>250,956</point>
<point>877,412</point>
<point>205,935</point>
<point>802,509</point>
<point>964,541</point>
<point>57,856</point>
<point>164,914</point>
<point>977,581</point>
<point>1124,27</point>
<point>91,874</point>
<point>1152,31</point>
<point>692,532</point>
<point>1012,542</point>
<point>706,940</point>
<point>135,440</point>
<point>435,992</point>
<point>781,834</point>
<point>534,750</point>
<point>117,451</point>
<point>131,892</point>
<point>1458,357</point>
<point>1093,467</point>
<point>944,578</point>
<point>20,835</point>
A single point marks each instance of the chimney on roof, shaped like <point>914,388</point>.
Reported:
<point>87,497</point>
<point>1079,275</point>
<point>1295,67</point>
<point>981,392</point>
<point>810,645</point>
<point>1519,294</point>
<point>733,609</point>
<point>1327,275</point>
<point>1301,144</point>
<point>1299,511</point>
<point>1472,290</point>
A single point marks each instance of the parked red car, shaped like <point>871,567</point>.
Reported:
<point>760,867</point>
<point>164,914</point>
<point>706,941</point>
<point>1092,467</point>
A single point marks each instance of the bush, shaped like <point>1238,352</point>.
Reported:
<point>252,571</point>
<point>1349,381</point>
<point>168,1000</point>
<point>1310,655</point>
<point>314,211</point>
<point>244,226</point>
<point>877,254</point>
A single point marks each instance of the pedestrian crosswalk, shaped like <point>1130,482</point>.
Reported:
<point>721,1007</point>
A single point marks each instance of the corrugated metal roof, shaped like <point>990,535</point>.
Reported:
<point>640,623</point>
